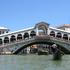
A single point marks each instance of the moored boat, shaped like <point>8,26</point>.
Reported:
<point>42,52</point>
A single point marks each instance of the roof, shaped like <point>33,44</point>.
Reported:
<point>41,23</point>
<point>3,28</point>
<point>59,29</point>
<point>65,25</point>
<point>16,31</point>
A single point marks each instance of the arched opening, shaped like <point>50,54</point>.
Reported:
<point>0,41</point>
<point>19,36</point>
<point>52,33</point>
<point>26,35</point>
<point>33,33</point>
<point>58,35</point>
<point>69,38</point>
<point>6,40</point>
<point>65,36</point>
<point>12,39</point>
<point>44,44</point>
<point>42,30</point>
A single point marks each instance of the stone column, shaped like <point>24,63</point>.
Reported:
<point>37,33</point>
<point>68,37</point>
<point>62,36</point>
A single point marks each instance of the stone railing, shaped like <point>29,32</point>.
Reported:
<point>41,37</point>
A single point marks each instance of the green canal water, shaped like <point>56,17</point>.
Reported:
<point>33,62</point>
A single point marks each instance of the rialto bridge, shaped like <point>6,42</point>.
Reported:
<point>41,33</point>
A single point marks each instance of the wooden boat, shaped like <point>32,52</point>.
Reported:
<point>42,52</point>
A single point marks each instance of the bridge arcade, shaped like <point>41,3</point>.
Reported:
<point>41,28</point>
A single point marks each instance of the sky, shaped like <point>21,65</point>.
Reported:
<point>21,14</point>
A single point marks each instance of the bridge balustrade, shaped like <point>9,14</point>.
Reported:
<point>41,37</point>
<point>16,42</point>
<point>60,40</point>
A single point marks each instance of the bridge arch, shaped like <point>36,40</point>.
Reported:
<point>65,36</point>
<point>13,38</point>
<point>39,42</point>
<point>26,35</point>
<point>19,36</point>
<point>6,40</point>
<point>33,33</point>
<point>30,44</point>
<point>59,35</point>
<point>1,41</point>
<point>52,33</point>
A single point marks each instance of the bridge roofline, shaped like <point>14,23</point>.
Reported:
<point>64,25</point>
<point>3,28</point>
<point>22,30</point>
<point>30,28</point>
<point>59,29</point>
<point>41,23</point>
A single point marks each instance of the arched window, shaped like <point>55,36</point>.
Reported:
<point>52,33</point>
<point>59,35</point>
<point>19,36</point>
<point>33,33</point>
<point>12,39</point>
<point>26,35</point>
<point>65,36</point>
<point>0,41</point>
<point>6,40</point>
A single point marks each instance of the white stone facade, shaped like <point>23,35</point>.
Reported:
<point>3,30</point>
<point>41,28</point>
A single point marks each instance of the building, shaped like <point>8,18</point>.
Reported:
<point>65,27</point>
<point>3,30</point>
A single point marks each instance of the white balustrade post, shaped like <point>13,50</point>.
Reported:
<point>37,31</point>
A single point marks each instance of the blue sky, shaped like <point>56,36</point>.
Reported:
<point>20,14</point>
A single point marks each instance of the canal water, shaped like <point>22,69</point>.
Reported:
<point>33,62</point>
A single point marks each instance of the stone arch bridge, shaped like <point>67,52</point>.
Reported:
<point>14,42</point>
